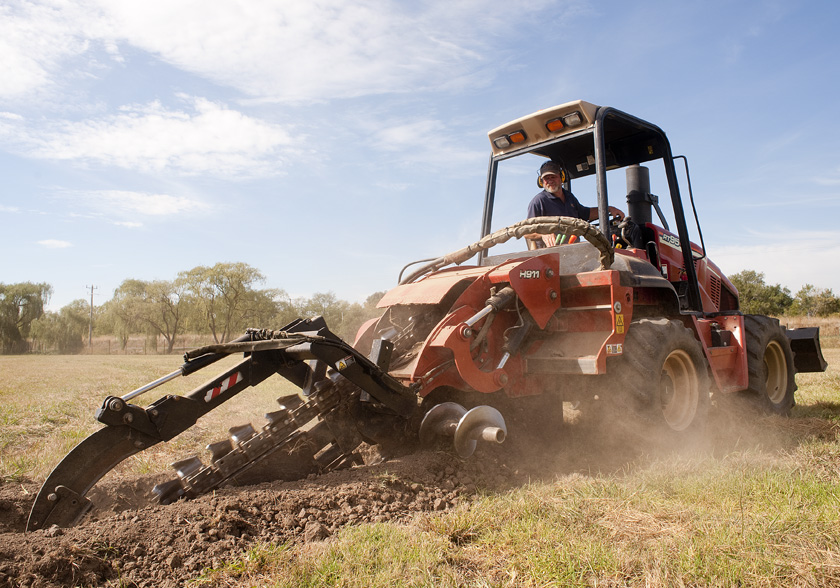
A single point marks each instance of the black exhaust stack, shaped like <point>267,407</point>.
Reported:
<point>639,201</point>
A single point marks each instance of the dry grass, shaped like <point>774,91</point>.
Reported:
<point>48,405</point>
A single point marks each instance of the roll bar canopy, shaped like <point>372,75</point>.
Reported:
<point>588,139</point>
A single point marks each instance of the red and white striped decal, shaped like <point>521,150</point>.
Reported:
<point>234,379</point>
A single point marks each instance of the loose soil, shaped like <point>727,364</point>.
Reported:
<point>144,544</point>
<point>129,541</point>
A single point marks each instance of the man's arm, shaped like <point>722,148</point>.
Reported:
<point>593,213</point>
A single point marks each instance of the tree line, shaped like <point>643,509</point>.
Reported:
<point>219,301</point>
<point>223,300</point>
<point>758,297</point>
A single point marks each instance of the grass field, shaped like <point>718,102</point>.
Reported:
<point>760,507</point>
<point>47,405</point>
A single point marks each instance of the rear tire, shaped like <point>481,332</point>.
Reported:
<point>664,371</point>
<point>772,382</point>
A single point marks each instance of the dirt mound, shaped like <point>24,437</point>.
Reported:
<point>148,545</point>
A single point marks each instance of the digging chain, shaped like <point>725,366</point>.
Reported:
<point>283,431</point>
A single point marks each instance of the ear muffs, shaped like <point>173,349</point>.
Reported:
<point>562,178</point>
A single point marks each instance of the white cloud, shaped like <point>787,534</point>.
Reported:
<point>268,51</point>
<point>283,51</point>
<point>55,244</point>
<point>428,142</point>
<point>827,177</point>
<point>205,137</point>
<point>38,38</point>
<point>34,39</point>
<point>130,209</point>
<point>4,208</point>
<point>393,186</point>
<point>826,181</point>
<point>306,50</point>
<point>111,202</point>
<point>400,136</point>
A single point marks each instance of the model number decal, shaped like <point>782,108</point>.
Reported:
<point>529,274</point>
<point>670,240</point>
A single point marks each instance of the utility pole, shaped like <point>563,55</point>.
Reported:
<point>90,325</point>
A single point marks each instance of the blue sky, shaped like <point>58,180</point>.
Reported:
<point>330,143</point>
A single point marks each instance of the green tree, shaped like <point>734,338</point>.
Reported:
<point>122,312</point>
<point>286,309</point>
<point>342,317</point>
<point>756,297</point>
<point>64,330</point>
<point>162,308</point>
<point>372,300</point>
<point>812,301</point>
<point>324,304</point>
<point>355,315</point>
<point>20,305</point>
<point>261,308</point>
<point>226,299</point>
<point>156,306</point>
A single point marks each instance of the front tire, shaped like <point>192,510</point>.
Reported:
<point>664,370</point>
<point>772,382</point>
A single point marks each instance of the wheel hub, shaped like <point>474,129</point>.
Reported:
<point>775,367</point>
<point>679,390</point>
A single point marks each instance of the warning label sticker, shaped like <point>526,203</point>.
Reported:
<point>345,363</point>
<point>619,323</point>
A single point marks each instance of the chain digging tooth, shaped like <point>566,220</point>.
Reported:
<point>187,467</point>
<point>219,449</point>
<point>240,434</point>
<point>169,492</point>
<point>289,402</point>
<point>278,418</point>
<point>281,448</point>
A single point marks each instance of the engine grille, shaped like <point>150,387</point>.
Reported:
<point>714,289</point>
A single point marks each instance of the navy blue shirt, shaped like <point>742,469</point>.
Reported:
<point>547,204</point>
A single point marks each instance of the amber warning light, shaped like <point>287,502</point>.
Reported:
<point>506,141</point>
<point>569,120</point>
